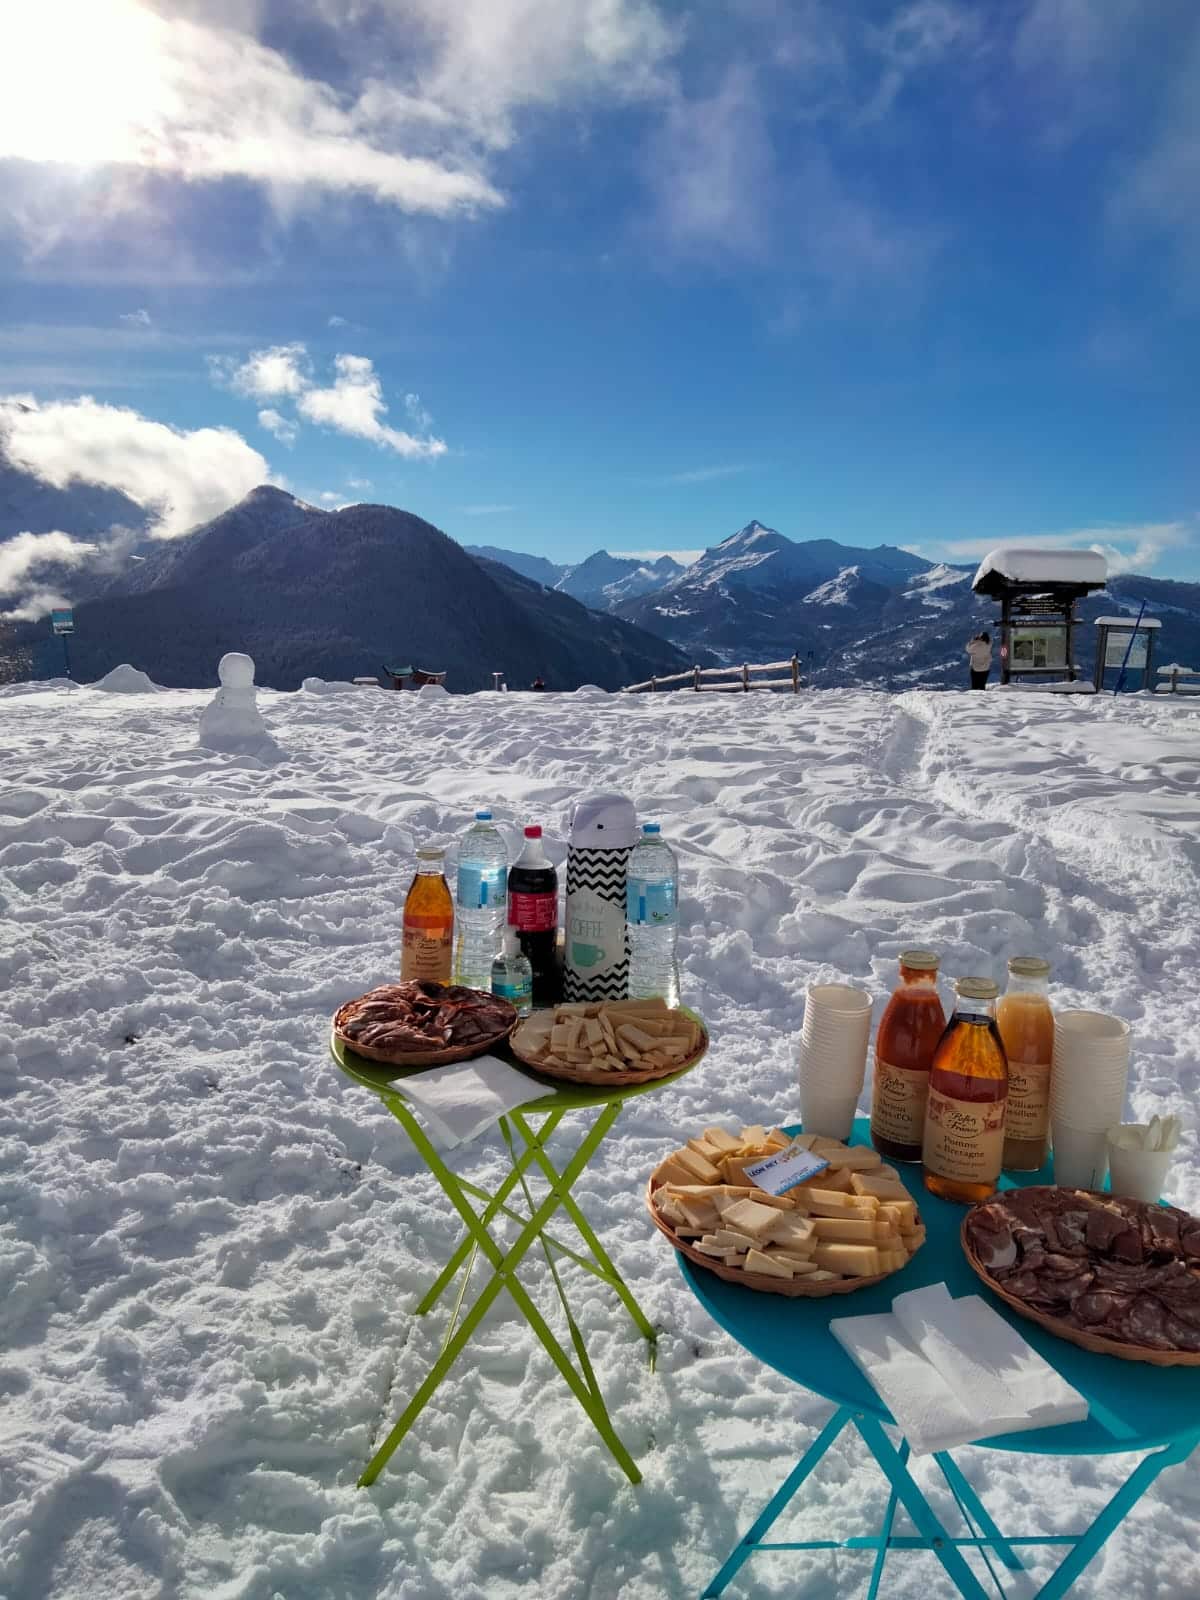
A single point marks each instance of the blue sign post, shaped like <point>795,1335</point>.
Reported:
<point>62,623</point>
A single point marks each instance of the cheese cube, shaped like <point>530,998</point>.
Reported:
<point>902,1212</point>
<point>833,1178</point>
<point>753,1136</point>
<point>720,1140</point>
<point>778,1202</point>
<point>773,1266</point>
<point>698,1166</point>
<point>822,1276</point>
<point>913,1241</point>
<point>708,1246</point>
<point>702,1147</point>
<point>857,1159</point>
<point>674,1172</point>
<point>750,1218</point>
<point>829,1203</point>
<point>849,1230</point>
<point>802,1266</point>
<point>796,1232</point>
<point>730,1239</point>
<point>700,1214</point>
<point>893,1260</point>
<point>881,1188</point>
<point>851,1260</point>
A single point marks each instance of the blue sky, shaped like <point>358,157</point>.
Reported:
<point>562,274</point>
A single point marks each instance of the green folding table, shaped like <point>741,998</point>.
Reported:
<point>1134,1407</point>
<point>526,1147</point>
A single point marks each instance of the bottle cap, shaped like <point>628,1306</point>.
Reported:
<point>977,988</point>
<point>534,831</point>
<point>483,814</point>
<point>1028,967</point>
<point>920,960</point>
<point>652,827</point>
<point>430,852</point>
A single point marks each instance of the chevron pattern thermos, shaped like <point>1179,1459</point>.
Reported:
<point>603,834</point>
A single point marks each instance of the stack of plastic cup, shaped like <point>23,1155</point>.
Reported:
<point>1087,1093</point>
<point>833,1057</point>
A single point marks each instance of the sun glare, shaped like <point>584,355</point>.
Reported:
<point>81,81</point>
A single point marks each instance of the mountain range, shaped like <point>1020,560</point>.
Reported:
<point>338,594</point>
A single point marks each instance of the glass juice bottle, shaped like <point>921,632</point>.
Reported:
<point>1026,1025</point>
<point>968,1095</point>
<point>908,1035</point>
<point>428,921</point>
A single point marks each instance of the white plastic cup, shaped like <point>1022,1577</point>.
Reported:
<point>1080,1156</point>
<point>830,1115</point>
<point>833,1042</point>
<point>1090,1070</point>
<point>1138,1174</point>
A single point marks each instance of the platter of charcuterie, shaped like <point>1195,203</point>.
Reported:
<point>421,1024</point>
<point>1109,1274</point>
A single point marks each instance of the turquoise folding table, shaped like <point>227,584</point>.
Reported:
<point>1134,1407</point>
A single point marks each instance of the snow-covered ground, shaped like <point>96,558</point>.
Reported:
<point>210,1242</point>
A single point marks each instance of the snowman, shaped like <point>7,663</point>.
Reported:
<point>232,720</point>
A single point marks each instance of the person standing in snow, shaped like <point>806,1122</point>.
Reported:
<point>979,654</point>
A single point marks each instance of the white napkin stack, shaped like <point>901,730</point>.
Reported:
<point>461,1101</point>
<point>954,1371</point>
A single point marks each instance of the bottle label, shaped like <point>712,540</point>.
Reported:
<point>480,886</point>
<point>425,957</point>
<point>650,904</point>
<point>898,1103</point>
<point>1028,1100</point>
<point>533,913</point>
<point>964,1139</point>
<point>517,991</point>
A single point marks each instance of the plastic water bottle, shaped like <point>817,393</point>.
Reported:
<point>512,976</point>
<point>482,898</point>
<point>651,918</point>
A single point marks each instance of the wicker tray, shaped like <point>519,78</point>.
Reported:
<point>419,1058</point>
<point>1077,1336</point>
<point>794,1288</point>
<point>573,1074</point>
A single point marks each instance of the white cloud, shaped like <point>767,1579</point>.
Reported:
<point>184,476</point>
<point>280,369</point>
<point>329,497</point>
<point>337,322</point>
<point>141,90</point>
<point>354,404</point>
<point>487,510</point>
<point>24,553</point>
<point>704,474</point>
<point>140,318</point>
<point>359,483</point>
<point>1129,547</point>
<point>275,422</point>
<point>33,607</point>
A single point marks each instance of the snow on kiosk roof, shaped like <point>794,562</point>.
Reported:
<point>1009,568</point>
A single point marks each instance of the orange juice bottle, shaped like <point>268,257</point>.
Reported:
<point>428,921</point>
<point>968,1095</point>
<point>908,1035</point>
<point>1026,1025</point>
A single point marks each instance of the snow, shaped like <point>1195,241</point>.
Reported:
<point>837,591</point>
<point>211,1241</point>
<point>232,721</point>
<point>126,680</point>
<point>1043,566</point>
<point>1127,622</point>
<point>924,588</point>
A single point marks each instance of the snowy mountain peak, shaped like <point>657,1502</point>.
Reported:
<point>837,591</point>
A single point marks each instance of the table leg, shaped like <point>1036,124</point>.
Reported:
<point>889,1521</point>
<point>778,1502</point>
<point>914,1502</point>
<point>1114,1514</point>
<point>969,1502</point>
<point>493,1208</point>
<point>504,1264</point>
<point>608,1267</point>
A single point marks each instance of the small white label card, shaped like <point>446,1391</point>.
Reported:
<point>781,1172</point>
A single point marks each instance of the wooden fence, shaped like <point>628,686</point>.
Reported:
<point>695,679</point>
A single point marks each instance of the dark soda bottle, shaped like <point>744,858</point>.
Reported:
<point>533,912</point>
